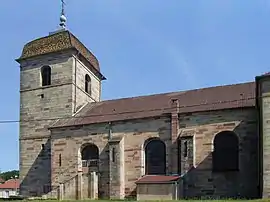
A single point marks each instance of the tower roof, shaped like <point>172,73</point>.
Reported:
<point>60,41</point>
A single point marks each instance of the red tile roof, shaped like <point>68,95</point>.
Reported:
<point>205,99</point>
<point>157,179</point>
<point>11,184</point>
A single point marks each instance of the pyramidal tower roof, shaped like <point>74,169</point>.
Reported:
<point>58,41</point>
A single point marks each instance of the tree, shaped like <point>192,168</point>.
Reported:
<point>9,174</point>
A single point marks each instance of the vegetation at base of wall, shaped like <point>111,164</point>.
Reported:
<point>9,174</point>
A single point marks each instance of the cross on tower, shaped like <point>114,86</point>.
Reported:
<point>63,18</point>
<point>63,7</point>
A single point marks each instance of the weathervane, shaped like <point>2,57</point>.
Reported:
<point>63,18</point>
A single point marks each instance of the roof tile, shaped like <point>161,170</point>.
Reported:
<point>60,41</point>
<point>206,99</point>
<point>10,184</point>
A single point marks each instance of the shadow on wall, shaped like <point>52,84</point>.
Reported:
<point>104,177</point>
<point>198,182</point>
<point>37,181</point>
<point>137,127</point>
<point>202,182</point>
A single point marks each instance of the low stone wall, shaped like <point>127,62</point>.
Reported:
<point>154,192</point>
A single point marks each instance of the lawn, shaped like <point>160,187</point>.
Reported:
<point>230,200</point>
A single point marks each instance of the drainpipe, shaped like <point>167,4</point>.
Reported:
<point>75,83</point>
<point>110,131</point>
<point>176,190</point>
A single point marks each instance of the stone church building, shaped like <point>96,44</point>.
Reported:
<point>216,139</point>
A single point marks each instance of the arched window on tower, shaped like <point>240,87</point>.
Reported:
<point>90,155</point>
<point>87,86</point>
<point>226,152</point>
<point>155,157</point>
<point>46,75</point>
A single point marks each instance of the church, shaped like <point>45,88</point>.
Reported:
<point>74,145</point>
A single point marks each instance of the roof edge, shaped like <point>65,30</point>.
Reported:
<point>56,42</point>
<point>180,91</point>
<point>161,179</point>
<point>72,35</point>
<point>257,78</point>
<point>157,182</point>
<point>38,39</point>
<point>81,125</point>
<point>130,119</point>
<point>40,55</point>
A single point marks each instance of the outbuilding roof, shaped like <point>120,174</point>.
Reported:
<point>10,184</point>
<point>150,179</point>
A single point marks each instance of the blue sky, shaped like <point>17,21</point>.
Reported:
<point>144,46</point>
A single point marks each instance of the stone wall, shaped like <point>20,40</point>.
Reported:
<point>90,186</point>
<point>117,168</point>
<point>80,96</point>
<point>68,143</point>
<point>198,129</point>
<point>200,180</point>
<point>186,154</point>
<point>155,192</point>
<point>86,194</point>
<point>136,133</point>
<point>62,65</point>
<point>70,188</point>
<point>264,106</point>
<point>41,106</point>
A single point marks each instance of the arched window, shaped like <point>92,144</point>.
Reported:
<point>226,152</point>
<point>155,157</point>
<point>90,155</point>
<point>87,84</point>
<point>46,75</point>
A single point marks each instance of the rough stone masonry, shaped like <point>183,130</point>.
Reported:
<point>213,137</point>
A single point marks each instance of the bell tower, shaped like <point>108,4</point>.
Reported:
<point>58,77</point>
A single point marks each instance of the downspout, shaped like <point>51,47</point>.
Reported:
<point>75,83</point>
<point>176,191</point>
<point>258,99</point>
<point>110,131</point>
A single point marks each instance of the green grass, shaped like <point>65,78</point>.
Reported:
<point>206,200</point>
<point>133,200</point>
